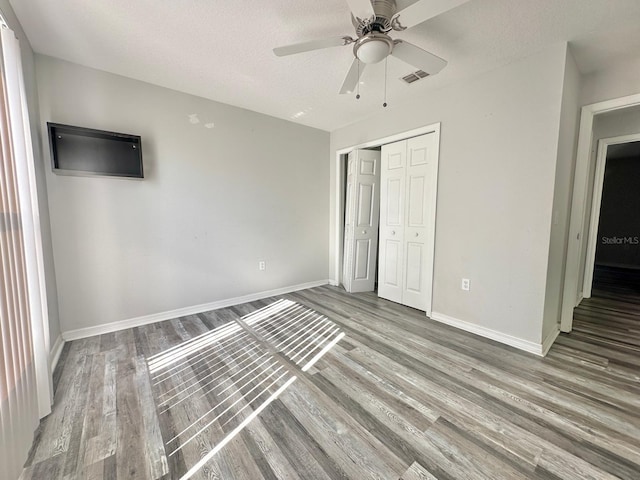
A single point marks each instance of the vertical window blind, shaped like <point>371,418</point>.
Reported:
<point>25,389</point>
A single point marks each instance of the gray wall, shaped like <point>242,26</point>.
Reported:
<point>215,201</point>
<point>28,66</point>
<point>560,220</point>
<point>498,152</point>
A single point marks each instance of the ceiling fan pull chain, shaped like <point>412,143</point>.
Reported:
<point>386,72</point>
<point>358,84</point>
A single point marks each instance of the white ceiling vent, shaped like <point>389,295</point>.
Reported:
<point>415,76</point>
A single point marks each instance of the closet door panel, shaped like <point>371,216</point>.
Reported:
<point>416,289</point>
<point>414,267</point>
<point>366,198</point>
<point>416,201</point>
<point>361,220</point>
<point>406,221</point>
<point>361,267</point>
<point>394,202</point>
<point>392,219</point>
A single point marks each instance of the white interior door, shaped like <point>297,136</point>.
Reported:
<point>407,219</point>
<point>416,290</point>
<point>392,217</point>
<point>361,220</point>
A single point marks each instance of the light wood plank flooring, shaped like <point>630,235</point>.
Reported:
<point>400,397</point>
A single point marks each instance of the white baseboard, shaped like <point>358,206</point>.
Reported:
<point>547,342</point>
<point>515,342</point>
<point>56,350</point>
<point>181,312</point>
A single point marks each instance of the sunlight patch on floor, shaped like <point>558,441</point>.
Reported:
<point>211,386</point>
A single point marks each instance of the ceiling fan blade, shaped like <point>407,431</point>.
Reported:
<point>361,8</point>
<point>422,11</point>
<point>419,58</point>
<point>312,45</point>
<point>353,77</point>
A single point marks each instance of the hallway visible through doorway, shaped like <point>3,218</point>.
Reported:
<point>611,317</point>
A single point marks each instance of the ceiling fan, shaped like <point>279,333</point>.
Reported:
<point>373,20</point>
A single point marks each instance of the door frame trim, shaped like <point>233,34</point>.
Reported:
<point>340,178</point>
<point>596,204</point>
<point>570,294</point>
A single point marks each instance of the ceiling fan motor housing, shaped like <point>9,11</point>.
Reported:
<point>381,22</point>
<point>385,9</point>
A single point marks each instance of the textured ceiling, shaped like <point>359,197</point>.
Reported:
<point>221,49</point>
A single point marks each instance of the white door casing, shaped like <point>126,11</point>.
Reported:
<point>361,220</point>
<point>579,199</point>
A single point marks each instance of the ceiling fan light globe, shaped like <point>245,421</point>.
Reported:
<point>373,50</point>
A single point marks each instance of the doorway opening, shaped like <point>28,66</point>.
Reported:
<point>613,244</point>
<point>584,193</point>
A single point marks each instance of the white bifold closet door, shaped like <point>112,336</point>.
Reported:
<point>407,217</point>
<point>362,213</point>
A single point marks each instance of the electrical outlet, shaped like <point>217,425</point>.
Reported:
<point>262,265</point>
<point>466,284</point>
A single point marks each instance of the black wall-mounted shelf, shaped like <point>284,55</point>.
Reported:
<point>85,151</point>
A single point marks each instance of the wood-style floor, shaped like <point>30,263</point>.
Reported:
<point>400,397</point>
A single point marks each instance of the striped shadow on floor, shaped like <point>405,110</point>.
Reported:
<point>208,388</point>
<point>299,333</point>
